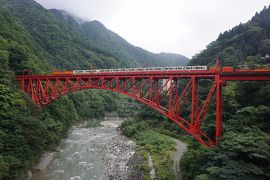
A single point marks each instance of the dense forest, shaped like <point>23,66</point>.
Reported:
<point>40,40</point>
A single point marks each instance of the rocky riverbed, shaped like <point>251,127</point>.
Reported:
<point>93,153</point>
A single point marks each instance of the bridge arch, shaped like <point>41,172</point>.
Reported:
<point>158,91</point>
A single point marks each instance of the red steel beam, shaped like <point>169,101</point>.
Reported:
<point>148,88</point>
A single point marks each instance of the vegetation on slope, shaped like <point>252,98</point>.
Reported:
<point>152,133</point>
<point>152,143</point>
<point>67,44</point>
<point>108,41</point>
<point>244,152</point>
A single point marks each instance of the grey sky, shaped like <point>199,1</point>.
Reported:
<point>178,26</point>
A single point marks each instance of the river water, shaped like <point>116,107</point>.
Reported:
<point>91,154</point>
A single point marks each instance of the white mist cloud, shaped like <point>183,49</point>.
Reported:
<point>179,26</point>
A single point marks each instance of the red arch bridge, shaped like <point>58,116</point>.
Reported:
<point>170,92</point>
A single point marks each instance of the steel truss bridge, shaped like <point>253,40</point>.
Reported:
<point>173,93</point>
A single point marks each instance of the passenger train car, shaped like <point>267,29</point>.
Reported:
<point>179,68</point>
<point>224,69</point>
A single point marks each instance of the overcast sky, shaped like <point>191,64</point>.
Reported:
<point>177,26</point>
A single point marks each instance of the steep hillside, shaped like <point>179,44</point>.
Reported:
<point>59,40</point>
<point>68,44</point>
<point>110,42</point>
<point>244,152</point>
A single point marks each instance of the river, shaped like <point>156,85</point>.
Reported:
<point>91,153</point>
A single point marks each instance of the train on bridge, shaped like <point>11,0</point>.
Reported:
<point>174,68</point>
<point>156,87</point>
<point>225,69</point>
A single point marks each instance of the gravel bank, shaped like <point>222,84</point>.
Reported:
<point>119,155</point>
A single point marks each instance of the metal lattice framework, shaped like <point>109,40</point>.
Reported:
<point>172,93</point>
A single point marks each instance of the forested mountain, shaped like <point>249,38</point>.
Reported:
<point>112,43</point>
<point>67,44</point>
<point>244,152</point>
<point>105,41</point>
<point>34,38</point>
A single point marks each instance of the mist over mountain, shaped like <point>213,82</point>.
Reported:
<point>105,40</point>
<point>67,15</point>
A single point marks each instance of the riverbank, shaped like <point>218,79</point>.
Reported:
<point>43,162</point>
<point>159,152</point>
<point>117,151</point>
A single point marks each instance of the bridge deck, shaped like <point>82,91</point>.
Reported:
<point>229,76</point>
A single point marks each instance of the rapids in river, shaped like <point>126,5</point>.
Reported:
<point>98,153</point>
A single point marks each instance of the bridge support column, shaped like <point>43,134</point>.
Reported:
<point>150,90</point>
<point>194,100</point>
<point>218,109</point>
